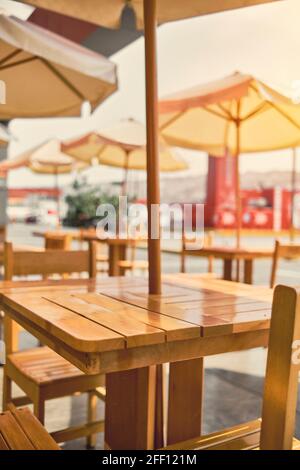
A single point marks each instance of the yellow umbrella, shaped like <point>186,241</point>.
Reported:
<point>122,146</point>
<point>238,113</point>
<point>148,13</point>
<point>46,159</point>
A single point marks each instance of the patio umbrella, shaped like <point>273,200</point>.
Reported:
<point>47,75</point>
<point>46,159</point>
<point>238,113</point>
<point>122,146</point>
<point>108,13</point>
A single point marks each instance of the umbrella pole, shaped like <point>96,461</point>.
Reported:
<point>153,184</point>
<point>293,195</point>
<point>125,181</point>
<point>153,191</point>
<point>238,191</point>
<point>57,198</point>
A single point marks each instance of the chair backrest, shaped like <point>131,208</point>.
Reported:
<point>48,262</point>
<point>2,233</point>
<point>57,241</point>
<point>283,364</point>
<point>282,251</point>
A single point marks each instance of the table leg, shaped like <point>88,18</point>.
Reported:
<point>159,407</point>
<point>116,253</point>
<point>185,400</point>
<point>227,270</point>
<point>248,271</point>
<point>130,409</point>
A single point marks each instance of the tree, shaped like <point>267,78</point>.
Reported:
<point>83,203</point>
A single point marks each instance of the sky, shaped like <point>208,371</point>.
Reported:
<point>263,41</point>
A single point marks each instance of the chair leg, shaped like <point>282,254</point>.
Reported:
<point>7,391</point>
<point>39,408</point>
<point>92,416</point>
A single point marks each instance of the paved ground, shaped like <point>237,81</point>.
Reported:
<point>236,377</point>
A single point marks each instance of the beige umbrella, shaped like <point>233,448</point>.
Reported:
<point>238,113</point>
<point>46,159</point>
<point>108,13</point>
<point>121,146</point>
<point>148,13</point>
<point>47,75</point>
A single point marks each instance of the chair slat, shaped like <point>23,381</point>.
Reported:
<point>13,433</point>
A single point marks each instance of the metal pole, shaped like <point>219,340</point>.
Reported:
<point>153,184</point>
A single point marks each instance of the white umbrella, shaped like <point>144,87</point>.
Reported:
<point>47,75</point>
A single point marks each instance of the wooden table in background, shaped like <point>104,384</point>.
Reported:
<point>117,251</point>
<point>229,255</point>
<point>117,247</point>
<point>113,326</point>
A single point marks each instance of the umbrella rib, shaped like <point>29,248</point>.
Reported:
<point>256,111</point>
<point>212,111</point>
<point>172,120</point>
<point>280,111</point>
<point>286,116</point>
<point>10,56</point>
<point>228,113</point>
<point>63,79</point>
<point>18,62</point>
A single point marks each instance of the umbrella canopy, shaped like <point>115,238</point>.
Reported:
<point>57,74</point>
<point>238,113</point>
<point>46,158</point>
<point>121,146</point>
<point>205,117</point>
<point>108,13</point>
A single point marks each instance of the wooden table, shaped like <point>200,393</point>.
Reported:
<point>229,255</point>
<point>114,327</point>
<point>117,247</point>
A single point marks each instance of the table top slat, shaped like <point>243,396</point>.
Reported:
<point>77,331</point>
<point>136,333</point>
<point>174,329</point>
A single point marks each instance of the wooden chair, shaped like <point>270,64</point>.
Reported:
<point>102,258</point>
<point>131,264</point>
<point>41,373</point>
<point>57,241</point>
<point>289,252</point>
<point>21,430</point>
<point>187,242</point>
<point>276,428</point>
<point>2,233</point>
